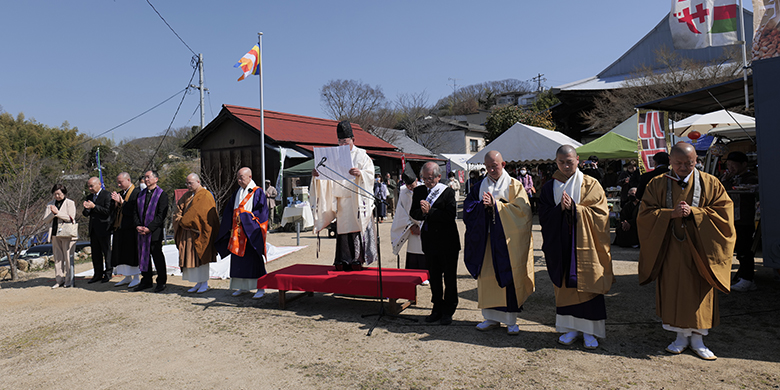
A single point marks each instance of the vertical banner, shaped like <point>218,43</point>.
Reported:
<point>462,177</point>
<point>100,169</point>
<point>766,24</point>
<point>279,182</point>
<point>652,133</point>
<point>448,166</point>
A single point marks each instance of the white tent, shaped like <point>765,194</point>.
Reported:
<point>460,162</point>
<point>524,143</point>
<point>703,123</point>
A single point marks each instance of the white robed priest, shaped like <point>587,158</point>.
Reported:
<point>349,205</point>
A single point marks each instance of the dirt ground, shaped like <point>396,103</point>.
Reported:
<point>102,337</point>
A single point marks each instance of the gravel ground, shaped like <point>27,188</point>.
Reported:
<point>102,337</point>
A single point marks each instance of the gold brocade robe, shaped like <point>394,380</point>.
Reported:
<point>686,272</point>
<point>516,220</point>
<point>594,259</point>
<point>195,226</point>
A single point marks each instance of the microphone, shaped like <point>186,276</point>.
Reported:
<point>322,161</point>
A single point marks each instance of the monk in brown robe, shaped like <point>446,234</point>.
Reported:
<point>195,225</point>
<point>686,231</point>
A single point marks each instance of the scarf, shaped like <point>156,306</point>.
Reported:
<point>237,244</point>
<point>572,186</point>
<point>145,240</point>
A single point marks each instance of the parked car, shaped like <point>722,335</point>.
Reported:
<point>39,251</point>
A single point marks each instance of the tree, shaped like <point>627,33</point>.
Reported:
<point>544,100</point>
<point>352,100</point>
<point>469,99</point>
<point>647,84</point>
<point>220,180</point>
<point>23,196</point>
<point>503,118</point>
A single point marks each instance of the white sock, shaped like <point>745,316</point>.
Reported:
<point>682,340</point>
<point>697,341</point>
<point>203,287</point>
<point>194,288</point>
<point>259,294</point>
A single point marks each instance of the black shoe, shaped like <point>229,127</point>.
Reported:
<point>446,320</point>
<point>159,288</point>
<point>95,279</point>
<point>357,267</point>
<point>433,317</point>
<point>106,279</point>
<point>339,267</point>
<point>142,286</point>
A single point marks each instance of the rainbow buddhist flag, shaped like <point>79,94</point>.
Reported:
<point>696,24</point>
<point>249,63</point>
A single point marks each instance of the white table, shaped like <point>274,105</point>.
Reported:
<point>295,213</point>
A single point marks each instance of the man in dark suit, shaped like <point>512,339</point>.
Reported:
<point>97,208</point>
<point>434,204</point>
<point>661,161</point>
<point>151,210</point>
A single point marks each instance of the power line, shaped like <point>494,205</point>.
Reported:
<point>169,26</point>
<point>133,118</point>
<point>151,159</point>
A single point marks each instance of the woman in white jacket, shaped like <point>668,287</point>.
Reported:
<point>64,210</point>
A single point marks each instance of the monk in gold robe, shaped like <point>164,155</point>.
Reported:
<point>686,231</point>
<point>574,216</point>
<point>498,249</point>
<point>195,224</point>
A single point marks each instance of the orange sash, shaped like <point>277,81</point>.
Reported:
<point>237,244</point>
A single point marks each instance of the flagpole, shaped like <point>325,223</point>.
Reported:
<point>744,53</point>
<point>262,114</point>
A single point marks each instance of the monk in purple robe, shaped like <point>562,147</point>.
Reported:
<point>498,245</point>
<point>574,216</point>
<point>242,234</point>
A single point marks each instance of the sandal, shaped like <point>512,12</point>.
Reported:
<point>676,349</point>
<point>705,353</point>
<point>568,338</point>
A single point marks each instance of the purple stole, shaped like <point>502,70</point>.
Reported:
<point>145,240</point>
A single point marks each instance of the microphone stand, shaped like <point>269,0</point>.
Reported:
<point>381,312</point>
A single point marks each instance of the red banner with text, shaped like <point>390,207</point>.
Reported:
<point>652,133</point>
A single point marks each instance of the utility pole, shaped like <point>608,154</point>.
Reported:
<point>454,84</point>
<point>202,91</point>
<point>538,79</point>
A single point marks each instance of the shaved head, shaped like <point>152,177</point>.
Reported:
<point>495,164</point>
<point>244,177</point>
<point>684,148</point>
<point>567,160</point>
<point>566,150</point>
<point>94,185</point>
<point>193,182</point>
<point>682,159</point>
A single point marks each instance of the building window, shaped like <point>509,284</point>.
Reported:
<point>474,145</point>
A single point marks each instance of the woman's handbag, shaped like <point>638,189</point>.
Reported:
<point>68,229</point>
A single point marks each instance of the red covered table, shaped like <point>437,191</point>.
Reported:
<point>310,278</point>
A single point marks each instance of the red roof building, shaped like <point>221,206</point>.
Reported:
<point>232,140</point>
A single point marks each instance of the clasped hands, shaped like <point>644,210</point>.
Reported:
<point>566,201</point>
<point>142,230</point>
<point>488,200</point>
<point>682,210</point>
<point>117,198</point>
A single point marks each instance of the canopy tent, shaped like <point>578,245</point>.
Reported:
<point>304,169</point>
<point>628,128</point>
<point>524,143</point>
<point>703,123</point>
<point>460,162</point>
<point>609,146</point>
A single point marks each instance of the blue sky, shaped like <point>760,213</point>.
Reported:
<point>97,64</point>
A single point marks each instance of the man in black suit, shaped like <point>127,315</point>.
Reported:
<point>97,208</point>
<point>434,204</point>
<point>151,211</point>
<point>661,161</point>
